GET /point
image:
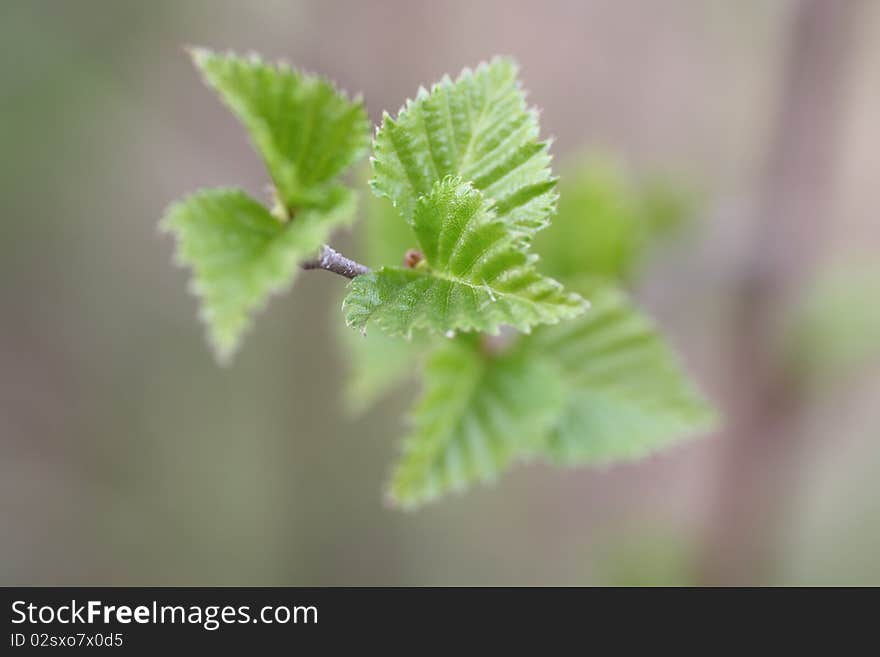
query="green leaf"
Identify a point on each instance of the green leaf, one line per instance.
(475, 417)
(306, 130)
(240, 254)
(627, 394)
(476, 275)
(604, 387)
(607, 221)
(477, 128)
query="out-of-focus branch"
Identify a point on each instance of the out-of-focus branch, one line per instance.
(762, 451)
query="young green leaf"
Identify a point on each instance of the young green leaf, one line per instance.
(476, 275)
(627, 395)
(475, 417)
(477, 128)
(604, 387)
(240, 253)
(306, 130)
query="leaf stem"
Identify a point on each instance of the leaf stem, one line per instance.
(331, 260)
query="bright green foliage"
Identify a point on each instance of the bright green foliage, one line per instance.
(479, 129)
(476, 274)
(604, 214)
(240, 253)
(607, 220)
(305, 129)
(603, 387)
(627, 396)
(460, 174)
(477, 415)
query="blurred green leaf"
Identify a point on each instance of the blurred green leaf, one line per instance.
(603, 387)
(478, 128)
(607, 221)
(627, 395)
(240, 253)
(306, 130)
(476, 275)
(473, 419)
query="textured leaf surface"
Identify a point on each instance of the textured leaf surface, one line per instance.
(604, 387)
(627, 394)
(476, 275)
(239, 253)
(474, 418)
(478, 128)
(306, 130)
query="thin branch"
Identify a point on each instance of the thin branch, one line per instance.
(334, 261)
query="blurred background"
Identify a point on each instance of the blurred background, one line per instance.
(128, 457)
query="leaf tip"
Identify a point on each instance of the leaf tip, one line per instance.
(223, 354)
(198, 54)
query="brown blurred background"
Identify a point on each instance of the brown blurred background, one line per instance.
(128, 457)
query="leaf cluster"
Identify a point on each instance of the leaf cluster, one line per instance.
(240, 251)
(570, 388)
(515, 364)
